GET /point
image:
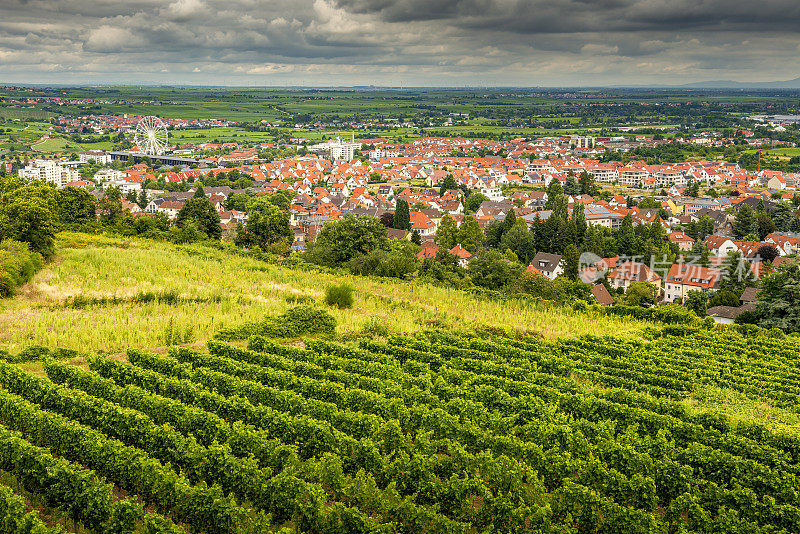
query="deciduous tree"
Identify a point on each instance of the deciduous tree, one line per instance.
(75, 205)
(447, 233)
(267, 224)
(341, 240)
(470, 235)
(205, 217)
(28, 214)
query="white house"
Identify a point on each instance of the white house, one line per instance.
(720, 245)
(492, 192)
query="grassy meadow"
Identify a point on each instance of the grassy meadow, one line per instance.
(220, 290)
(57, 144)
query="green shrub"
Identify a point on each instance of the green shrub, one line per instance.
(747, 329)
(340, 295)
(775, 333)
(680, 330)
(155, 524)
(668, 314)
(748, 317)
(17, 265)
(64, 354)
(299, 299)
(168, 297)
(34, 352)
(375, 327)
(296, 322)
(308, 320)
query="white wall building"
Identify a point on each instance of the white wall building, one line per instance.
(98, 156)
(337, 148)
(493, 193)
(632, 176)
(107, 175)
(50, 171)
(109, 178)
(604, 173)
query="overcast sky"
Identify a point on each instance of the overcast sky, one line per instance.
(398, 42)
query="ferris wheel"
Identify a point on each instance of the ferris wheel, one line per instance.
(151, 136)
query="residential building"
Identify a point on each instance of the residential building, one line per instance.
(50, 171)
(788, 242)
(602, 216)
(170, 208)
(683, 278)
(683, 241)
(693, 205)
(462, 254)
(728, 314)
(601, 295)
(627, 272)
(422, 224)
(97, 156)
(548, 264)
(632, 176)
(493, 193)
(719, 245)
(337, 149)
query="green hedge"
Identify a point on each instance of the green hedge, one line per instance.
(17, 265)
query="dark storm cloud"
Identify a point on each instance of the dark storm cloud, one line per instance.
(557, 16)
(397, 41)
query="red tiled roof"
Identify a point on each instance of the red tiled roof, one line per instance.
(460, 252)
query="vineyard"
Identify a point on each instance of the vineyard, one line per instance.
(436, 432)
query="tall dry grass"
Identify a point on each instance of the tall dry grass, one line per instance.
(219, 290)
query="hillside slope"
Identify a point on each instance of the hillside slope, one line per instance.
(578, 422)
(191, 292)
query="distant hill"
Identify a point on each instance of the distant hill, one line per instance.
(729, 84)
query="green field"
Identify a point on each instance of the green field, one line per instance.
(786, 152)
(205, 135)
(382, 104)
(8, 112)
(55, 145)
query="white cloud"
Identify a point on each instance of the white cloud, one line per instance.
(269, 68)
(183, 10)
(112, 39)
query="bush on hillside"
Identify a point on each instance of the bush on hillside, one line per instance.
(668, 314)
(340, 295)
(17, 265)
(678, 330)
(748, 317)
(36, 353)
(295, 322)
(299, 299)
